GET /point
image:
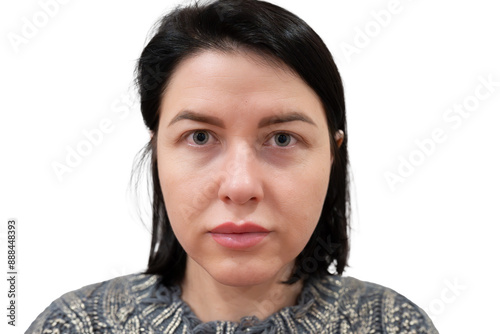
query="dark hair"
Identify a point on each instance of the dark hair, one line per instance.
(281, 37)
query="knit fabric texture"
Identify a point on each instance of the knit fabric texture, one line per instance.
(138, 303)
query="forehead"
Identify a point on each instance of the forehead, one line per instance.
(236, 82)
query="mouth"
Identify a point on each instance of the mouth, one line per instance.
(243, 236)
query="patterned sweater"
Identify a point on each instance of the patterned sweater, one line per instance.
(138, 303)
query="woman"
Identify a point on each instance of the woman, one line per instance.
(249, 164)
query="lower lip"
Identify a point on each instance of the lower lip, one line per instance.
(239, 240)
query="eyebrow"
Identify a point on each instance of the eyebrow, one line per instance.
(197, 117)
(275, 119)
(284, 118)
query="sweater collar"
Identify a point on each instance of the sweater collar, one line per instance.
(309, 309)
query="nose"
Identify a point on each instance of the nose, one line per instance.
(242, 181)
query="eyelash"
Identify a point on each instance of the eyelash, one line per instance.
(189, 136)
(293, 138)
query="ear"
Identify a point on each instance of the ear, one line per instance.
(339, 139)
(151, 134)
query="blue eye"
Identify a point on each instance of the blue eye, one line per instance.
(200, 137)
(282, 139)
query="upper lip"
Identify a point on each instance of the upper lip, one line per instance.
(232, 228)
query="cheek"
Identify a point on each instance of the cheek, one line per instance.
(186, 193)
(178, 197)
(300, 199)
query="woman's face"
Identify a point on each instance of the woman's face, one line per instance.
(244, 161)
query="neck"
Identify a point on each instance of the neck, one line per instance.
(212, 301)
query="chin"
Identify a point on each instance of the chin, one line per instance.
(244, 275)
(241, 280)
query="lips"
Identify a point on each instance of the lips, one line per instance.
(242, 236)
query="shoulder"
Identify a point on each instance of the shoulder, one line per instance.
(94, 306)
(364, 304)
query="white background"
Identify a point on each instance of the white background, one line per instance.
(436, 229)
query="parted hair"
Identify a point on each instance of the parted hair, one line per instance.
(283, 38)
